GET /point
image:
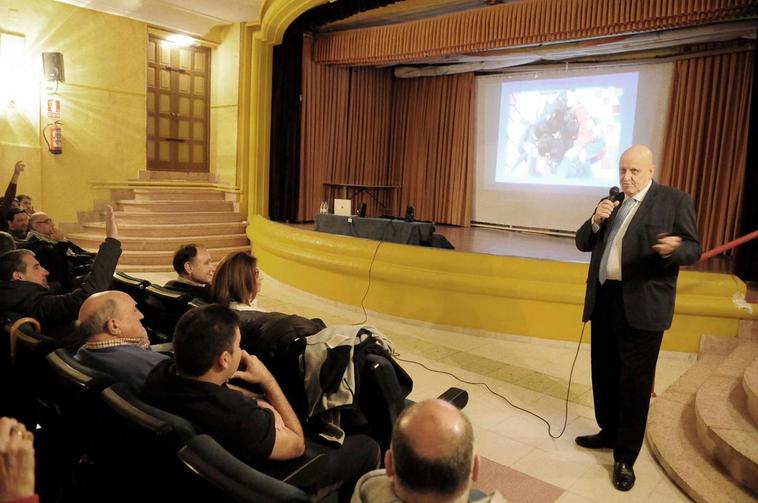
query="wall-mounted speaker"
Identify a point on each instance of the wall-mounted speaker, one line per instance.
(52, 62)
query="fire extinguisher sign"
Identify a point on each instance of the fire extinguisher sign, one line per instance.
(53, 108)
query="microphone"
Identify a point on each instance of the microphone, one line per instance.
(615, 194)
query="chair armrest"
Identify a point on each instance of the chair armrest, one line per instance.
(209, 460)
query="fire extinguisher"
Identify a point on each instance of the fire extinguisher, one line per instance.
(55, 145)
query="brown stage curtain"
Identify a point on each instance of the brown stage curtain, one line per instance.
(518, 23)
(706, 139)
(432, 146)
(344, 134)
(361, 126)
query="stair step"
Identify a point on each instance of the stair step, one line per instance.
(724, 425)
(673, 439)
(130, 205)
(750, 385)
(178, 194)
(177, 175)
(183, 217)
(192, 230)
(168, 242)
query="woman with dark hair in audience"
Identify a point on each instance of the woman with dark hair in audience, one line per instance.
(279, 341)
(236, 283)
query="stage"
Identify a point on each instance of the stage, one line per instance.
(510, 243)
(495, 281)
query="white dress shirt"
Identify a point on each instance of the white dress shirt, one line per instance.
(614, 258)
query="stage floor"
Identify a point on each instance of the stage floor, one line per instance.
(531, 245)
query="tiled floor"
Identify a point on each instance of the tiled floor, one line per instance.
(527, 372)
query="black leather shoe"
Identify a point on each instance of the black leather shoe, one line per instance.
(623, 476)
(596, 441)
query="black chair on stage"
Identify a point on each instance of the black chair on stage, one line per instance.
(232, 479)
(162, 308)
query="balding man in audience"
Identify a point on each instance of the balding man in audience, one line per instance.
(115, 340)
(24, 289)
(431, 459)
(195, 269)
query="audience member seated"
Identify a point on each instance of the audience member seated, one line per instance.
(336, 356)
(193, 265)
(431, 459)
(16, 463)
(115, 340)
(24, 288)
(64, 260)
(9, 200)
(255, 430)
(25, 202)
(236, 283)
(17, 223)
(7, 243)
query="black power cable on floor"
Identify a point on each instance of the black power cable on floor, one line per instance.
(370, 268)
(568, 390)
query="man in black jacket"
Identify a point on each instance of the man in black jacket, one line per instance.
(637, 247)
(24, 289)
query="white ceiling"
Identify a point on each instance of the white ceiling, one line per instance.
(195, 17)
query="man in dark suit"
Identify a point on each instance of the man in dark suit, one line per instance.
(637, 247)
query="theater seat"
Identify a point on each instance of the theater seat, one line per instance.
(232, 478)
(23, 368)
(133, 286)
(70, 426)
(162, 309)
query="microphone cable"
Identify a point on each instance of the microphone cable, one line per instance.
(474, 383)
(370, 268)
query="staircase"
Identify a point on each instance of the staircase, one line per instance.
(158, 215)
(704, 428)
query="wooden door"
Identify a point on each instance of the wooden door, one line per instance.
(178, 96)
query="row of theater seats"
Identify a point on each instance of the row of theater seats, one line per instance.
(122, 449)
(161, 306)
(98, 442)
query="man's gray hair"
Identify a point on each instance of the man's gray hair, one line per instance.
(96, 323)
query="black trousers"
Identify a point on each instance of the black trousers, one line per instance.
(623, 369)
(357, 455)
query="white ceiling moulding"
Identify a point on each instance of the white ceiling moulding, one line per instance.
(487, 62)
(194, 17)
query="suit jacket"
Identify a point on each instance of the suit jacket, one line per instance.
(648, 280)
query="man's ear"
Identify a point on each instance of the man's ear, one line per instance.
(18, 276)
(188, 268)
(475, 468)
(224, 360)
(112, 327)
(389, 464)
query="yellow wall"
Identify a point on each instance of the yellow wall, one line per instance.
(537, 298)
(225, 60)
(103, 104)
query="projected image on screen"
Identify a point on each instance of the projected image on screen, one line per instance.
(567, 131)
